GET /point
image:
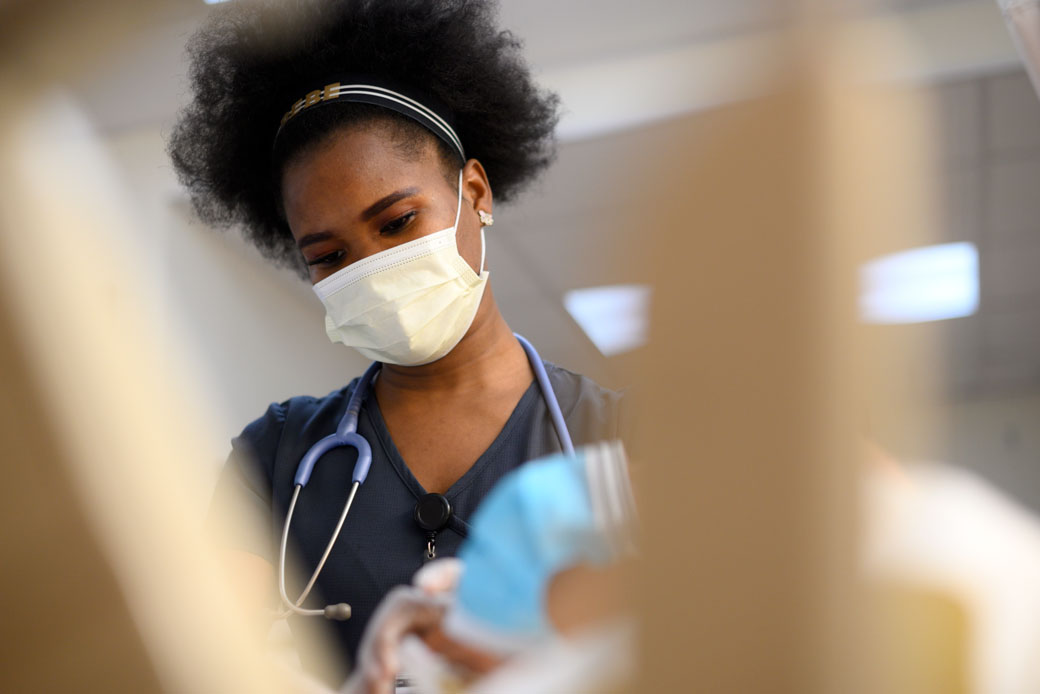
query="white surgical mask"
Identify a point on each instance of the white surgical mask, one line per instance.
(407, 305)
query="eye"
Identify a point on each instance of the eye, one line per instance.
(328, 259)
(397, 224)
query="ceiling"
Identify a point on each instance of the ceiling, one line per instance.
(141, 83)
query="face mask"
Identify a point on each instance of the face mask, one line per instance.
(408, 305)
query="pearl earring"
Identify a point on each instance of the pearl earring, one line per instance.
(485, 219)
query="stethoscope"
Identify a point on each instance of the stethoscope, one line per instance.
(432, 512)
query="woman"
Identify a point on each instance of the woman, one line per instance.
(362, 141)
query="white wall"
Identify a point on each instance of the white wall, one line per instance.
(254, 333)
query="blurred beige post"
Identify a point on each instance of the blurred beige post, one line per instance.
(109, 583)
(755, 397)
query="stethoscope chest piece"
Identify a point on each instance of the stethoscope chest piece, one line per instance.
(432, 513)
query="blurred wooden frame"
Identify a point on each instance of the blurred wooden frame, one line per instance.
(759, 382)
(66, 625)
(109, 582)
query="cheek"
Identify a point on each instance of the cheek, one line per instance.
(468, 240)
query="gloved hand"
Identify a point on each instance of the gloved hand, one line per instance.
(405, 610)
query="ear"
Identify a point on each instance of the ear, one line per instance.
(476, 191)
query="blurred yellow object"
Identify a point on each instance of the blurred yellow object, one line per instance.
(922, 641)
(110, 583)
(66, 625)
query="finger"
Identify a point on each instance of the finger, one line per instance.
(471, 658)
(379, 683)
(438, 576)
(416, 619)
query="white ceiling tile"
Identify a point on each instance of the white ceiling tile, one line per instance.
(958, 109)
(581, 226)
(1013, 120)
(608, 171)
(581, 249)
(1013, 335)
(953, 348)
(960, 205)
(1007, 376)
(546, 323)
(143, 83)
(959, 346)
(569, 31)
(1013, 196)
(1009, 270)
(511, 278)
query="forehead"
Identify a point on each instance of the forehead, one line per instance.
(359, 159)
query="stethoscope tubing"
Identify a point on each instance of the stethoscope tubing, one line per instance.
(548, 394)
(295, 607)
(346, 435)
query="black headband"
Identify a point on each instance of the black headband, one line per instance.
(424, 109)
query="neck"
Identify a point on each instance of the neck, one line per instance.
(487, 356)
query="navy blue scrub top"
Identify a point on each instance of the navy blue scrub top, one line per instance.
(380, 545)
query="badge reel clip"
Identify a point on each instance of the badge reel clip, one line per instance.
(432, 513)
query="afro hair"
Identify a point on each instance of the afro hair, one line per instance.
(254, 59)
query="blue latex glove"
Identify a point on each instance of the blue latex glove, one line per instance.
(543, 517)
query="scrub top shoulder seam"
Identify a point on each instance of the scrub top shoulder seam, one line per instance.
(566, 375)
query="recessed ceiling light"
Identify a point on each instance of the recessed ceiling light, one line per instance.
(615, 318)
(923, 284)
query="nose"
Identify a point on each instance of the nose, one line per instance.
(362, 248)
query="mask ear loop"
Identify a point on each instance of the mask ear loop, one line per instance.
(458, 206)
(458, 213)
(483, 249)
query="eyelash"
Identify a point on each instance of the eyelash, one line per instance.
(389, 229)
(328, 259)
(397, 224)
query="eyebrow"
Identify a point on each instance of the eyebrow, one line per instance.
(311, 239)
(385, 202)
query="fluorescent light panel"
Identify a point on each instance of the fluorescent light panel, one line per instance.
(919, 285)
(615, 318)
